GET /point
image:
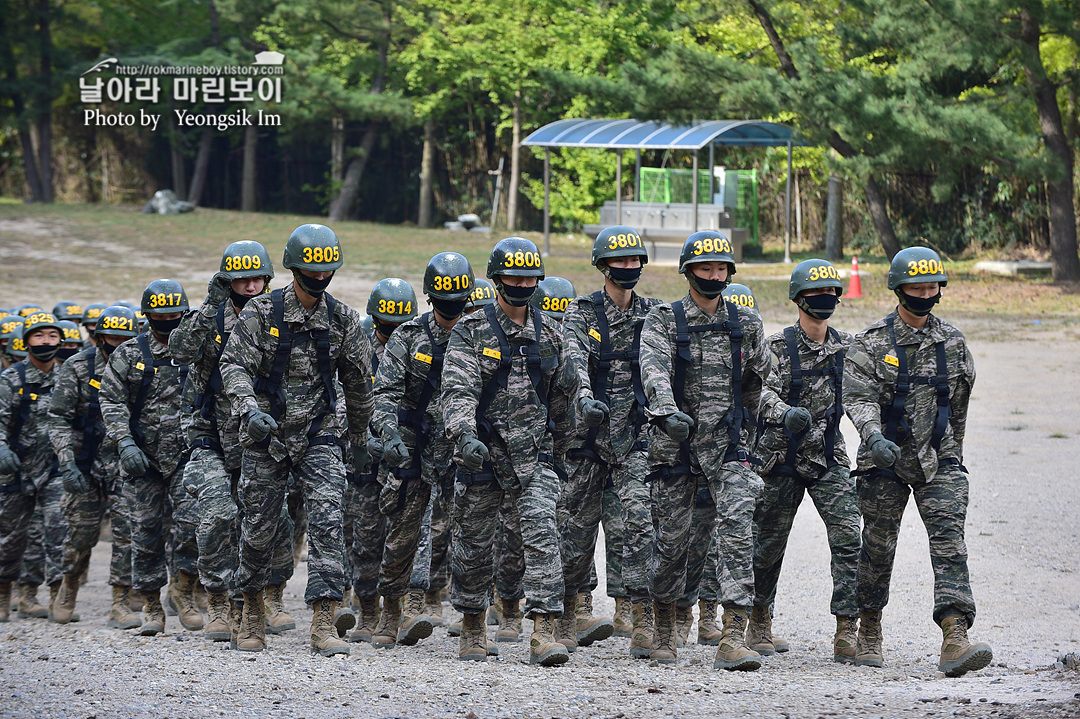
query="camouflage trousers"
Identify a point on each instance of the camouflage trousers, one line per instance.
(163, 520)
(16, 514)
(611, 517)
(365, 536)
(262, 491)
(298, 517)
(32, 571)
(942, 504)
(404, 531)
(431, 566)
(474, 542)
(509, 554)
(85, 513)
(217, 533)
(735, 493)
(701, 576)
(833, 494)
(583, 502)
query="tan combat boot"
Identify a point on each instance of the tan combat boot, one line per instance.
(623, 621)
(665, 645)
(385, 635)
(217, 627)
(684, 622)
(868, 652)
(28, 603)
(845, 640)
(589, 628)
(171, 608)
(153, 614)
(510, 629)
(64, 605)
(472, 647)
(566, 625)
(958, 655)
(277, 619)
(433, 609)
(347, 599)
(344, 618)
(251, 629)
(366, 620)
(494, 613)
(759, 634)
(732, 653)
(453, 629)
(324, 636)
(415, 625)
(707, 631)
(643, 636)
(543, 649)
(202, 602)
(187, 611)
(5, 602)
(120, 614)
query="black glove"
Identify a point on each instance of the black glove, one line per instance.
(9, 461)
(473, 452)
(593, 411)
(218, 289)
(883, 452)
(361, 459)
(132, 458)
(375, 448)
(677, 426)
(259, 425)
(74, 481)
(796, 419)
(395, 451)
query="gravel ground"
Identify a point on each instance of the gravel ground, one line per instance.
(1023, 543)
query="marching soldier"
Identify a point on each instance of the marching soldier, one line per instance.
(703, 364)
(278, 371)
(907, 384)
(90, 468)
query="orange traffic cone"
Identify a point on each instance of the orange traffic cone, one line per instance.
(855, 285)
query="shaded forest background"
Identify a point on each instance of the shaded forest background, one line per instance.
(950, 124)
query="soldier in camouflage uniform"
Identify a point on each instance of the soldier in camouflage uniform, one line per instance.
(802, 451)
(703, 363)
(89, 321)
(212, 473)
(604, 332)
(141, 408)
(907, 383)
(10, 326)
(28, 468)
(418, 455)
(391, 303)
(90, 468)
(507, 393)
(278, 370)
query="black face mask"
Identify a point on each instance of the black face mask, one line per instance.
(67, 352)
(313, 287)
(449, 309)
(43, 352)
(105, 348)
(239, 300)
(163, 327)
(918, 306)
(625, 277)
(709, 289)
(516, 296)
(819, 306)
(384, 328)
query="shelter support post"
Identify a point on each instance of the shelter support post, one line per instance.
(712, 164)
(787, 208)
(547, 201)
(637, 176)
(694, 190)
(618, 186)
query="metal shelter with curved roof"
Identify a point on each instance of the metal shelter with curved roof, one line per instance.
(629, 134)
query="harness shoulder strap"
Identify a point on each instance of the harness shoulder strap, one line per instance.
(148, 370)
(91, 426)
(415, 417)
(498, 380)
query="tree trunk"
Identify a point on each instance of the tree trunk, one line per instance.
(879, 213)
(834, 221)
(337, 149)
(1059, 191)
(202, 164)
(515, 168)
(176, 157)
(11, 71)
(339, 208)
(44, 111)
(427, 174)
(247, 180)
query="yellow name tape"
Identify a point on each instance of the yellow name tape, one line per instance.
(274, 332)
(594, 334)
(889, 359)
(95, 384)
(488, 352)
(426, 359)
